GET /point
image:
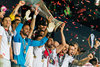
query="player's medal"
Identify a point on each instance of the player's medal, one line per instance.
(24, 51)
(34, 56)
(42, 60)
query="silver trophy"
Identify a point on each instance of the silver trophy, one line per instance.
(43, 11)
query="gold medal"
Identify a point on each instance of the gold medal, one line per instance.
(34, 56)
(26, 43)
(24, 52)
(50, 61)
(42, 60)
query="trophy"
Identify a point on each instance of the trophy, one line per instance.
(43, 11)
(97, 2)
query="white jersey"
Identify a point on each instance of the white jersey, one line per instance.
(29, 56)
(37, 58)
(5, 43)
(68, 59)
(55, 60)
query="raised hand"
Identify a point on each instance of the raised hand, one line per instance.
(90, 56)
(51, 27)
(97, 44)
(62, 27)
(49, 18)
(21, 3)
(28, 12)
(36, 10)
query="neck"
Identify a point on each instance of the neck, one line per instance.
(61, 54)
(23, 36)
(6, 28)
(48, 47)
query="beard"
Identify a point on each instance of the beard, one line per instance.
(25, 34)
(50, 46)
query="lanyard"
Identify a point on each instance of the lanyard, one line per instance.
(8, 34)
(34, 51)
(51, 61)
(60, 61)
(24, 45)
(50, 55)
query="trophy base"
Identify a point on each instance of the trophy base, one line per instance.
(57, 26)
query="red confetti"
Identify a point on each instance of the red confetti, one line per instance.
(85, 19)
(97, 26)
(90, 10)
(52, 2)
(66, 18)
(72, 6)
(41, 18)
(76, 27)
(81, 10)
(71, 34)
(96, 9)
(13, 7)
(84, 6)
(55, 17)
(75, 36)
(70, 39)
(90, 15)
(88, 1)
(92, 26)
(59, 17)
(77, 20)
(64, 1)
(58, 3)
(65, 21)
(62, 15)
(73, 23)
(94, 12)
(81, 48)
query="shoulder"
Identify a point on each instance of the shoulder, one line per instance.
(1, 28)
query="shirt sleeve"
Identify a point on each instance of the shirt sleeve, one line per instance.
(39, 43)
(12, 17)
(1, 30)
(19, 27)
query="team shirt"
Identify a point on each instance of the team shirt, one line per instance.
(5, 43)
(21, 45)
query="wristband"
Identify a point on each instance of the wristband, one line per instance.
(34, 16)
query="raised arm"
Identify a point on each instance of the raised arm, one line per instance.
(83, 61)
(33, 21)
(39, 43)
(15, 11)
(60, 47)
(81, 56)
